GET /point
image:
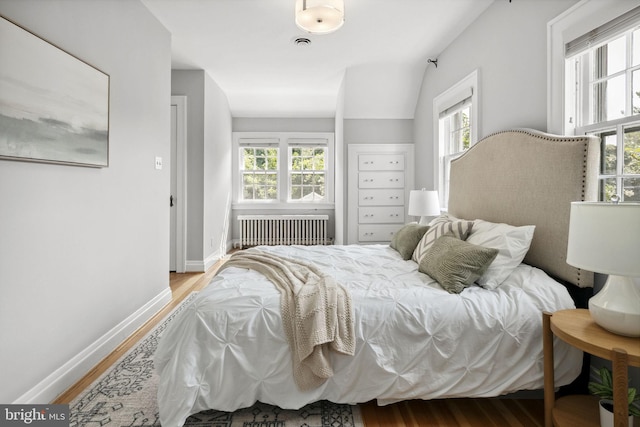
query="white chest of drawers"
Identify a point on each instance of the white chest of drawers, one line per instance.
(380, 177)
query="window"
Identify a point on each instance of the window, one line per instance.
(259, 172)
(455, 127)
(283, 168)
(307, 173)
(603, 98)
(455, 137)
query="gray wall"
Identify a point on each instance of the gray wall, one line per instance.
(82, 249)
(508, 45)
(378, 131)
(208, 166)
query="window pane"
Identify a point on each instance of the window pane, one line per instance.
(272, 192)
(610, 150)
(607, 189)
(307, 192)
(307, 179)
(271, 179)
(248, 159)
(296, 193)
(616, 55)
(608, 99)
(610, 58)
(631, 191)
(296, 179)
(631, 151)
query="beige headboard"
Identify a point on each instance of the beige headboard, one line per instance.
(527, 177)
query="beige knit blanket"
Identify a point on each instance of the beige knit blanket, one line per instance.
(316, 312)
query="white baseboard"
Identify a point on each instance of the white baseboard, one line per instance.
(72, 371)
(192, 266)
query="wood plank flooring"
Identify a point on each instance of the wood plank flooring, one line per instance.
(414, 413)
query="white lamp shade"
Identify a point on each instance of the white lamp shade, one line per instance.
(605, 237)
(424, 203)
(319, 16)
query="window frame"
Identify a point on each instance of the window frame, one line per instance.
(308, 143)
(580, 110)
(256, 145)
(283, 140)
(465, 89)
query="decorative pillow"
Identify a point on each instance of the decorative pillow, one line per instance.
(444, 224)
(512, 244)
(454, 263)
(406, 239)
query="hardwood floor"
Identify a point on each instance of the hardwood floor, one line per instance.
(414, 413)
(456, 413)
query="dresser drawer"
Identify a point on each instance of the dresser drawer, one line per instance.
(381, 215)
(377, 233)
(381, 197)
(381, 162)
(381, 180)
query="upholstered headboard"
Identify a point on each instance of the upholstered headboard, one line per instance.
(527, 177)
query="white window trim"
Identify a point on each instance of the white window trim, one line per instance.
(455, 94)
(575, 21)
(283, 139)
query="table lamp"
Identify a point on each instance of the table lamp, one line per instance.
(424, 204)
(605, 238)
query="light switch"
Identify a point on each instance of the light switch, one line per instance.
(158, 162)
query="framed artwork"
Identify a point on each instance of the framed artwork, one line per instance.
(54, 107)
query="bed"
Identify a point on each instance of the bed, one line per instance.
(413, 337)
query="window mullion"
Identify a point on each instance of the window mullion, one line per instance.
(628, 104)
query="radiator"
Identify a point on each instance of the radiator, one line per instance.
(283, 230)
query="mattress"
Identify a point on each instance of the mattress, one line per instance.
(414, 340)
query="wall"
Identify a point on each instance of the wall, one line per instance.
(208, 164)
(217, 173)
(378, 131)
(508, 46)
(83, 249)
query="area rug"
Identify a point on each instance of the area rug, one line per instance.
(125, 395)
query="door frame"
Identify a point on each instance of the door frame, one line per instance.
(181, 181)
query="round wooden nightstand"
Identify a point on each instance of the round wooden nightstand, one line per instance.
(577, 328)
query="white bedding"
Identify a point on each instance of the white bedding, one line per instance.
(414, 340)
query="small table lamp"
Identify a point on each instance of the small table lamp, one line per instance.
(605, 238)
(424, 204)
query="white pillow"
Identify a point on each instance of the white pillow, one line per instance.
(512, 244)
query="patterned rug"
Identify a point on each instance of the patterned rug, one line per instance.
(125, 395)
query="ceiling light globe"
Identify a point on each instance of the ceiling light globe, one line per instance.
(319, 16)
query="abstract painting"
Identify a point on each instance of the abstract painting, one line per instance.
(54, 107)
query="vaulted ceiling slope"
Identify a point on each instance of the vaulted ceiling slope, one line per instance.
(248, 49)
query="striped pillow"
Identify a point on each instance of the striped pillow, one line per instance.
(438, 228)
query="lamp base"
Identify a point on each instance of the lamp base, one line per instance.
(617, 306)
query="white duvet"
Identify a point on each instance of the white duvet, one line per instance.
(414, 340)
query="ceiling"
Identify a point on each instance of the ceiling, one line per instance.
(378, 56)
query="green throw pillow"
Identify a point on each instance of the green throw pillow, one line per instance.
(456, 264)
(406, 239)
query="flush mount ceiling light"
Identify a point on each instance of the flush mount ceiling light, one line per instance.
(319, 16)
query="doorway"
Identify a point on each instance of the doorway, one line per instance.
(178, 197)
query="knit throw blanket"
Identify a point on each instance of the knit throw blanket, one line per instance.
(316, 312)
